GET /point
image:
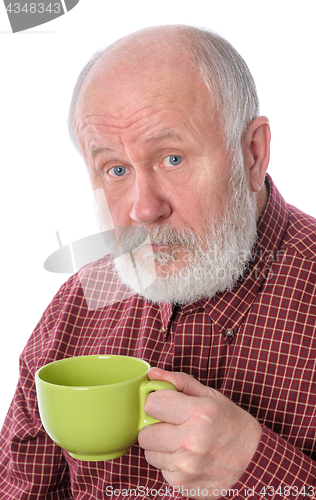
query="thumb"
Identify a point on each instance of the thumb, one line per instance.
(183, 382)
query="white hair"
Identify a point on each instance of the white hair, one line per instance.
(228, 78)
(223, 70)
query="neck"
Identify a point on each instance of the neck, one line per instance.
(262, 198)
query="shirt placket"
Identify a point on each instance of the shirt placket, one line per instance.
(191, 333)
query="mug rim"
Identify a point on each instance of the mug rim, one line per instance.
(65, 360)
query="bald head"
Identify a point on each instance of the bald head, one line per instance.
(164, 54)
(158, 42)
(153, 58)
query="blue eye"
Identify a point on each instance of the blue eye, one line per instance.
(175, 159)
(172, 161)
(117, 171)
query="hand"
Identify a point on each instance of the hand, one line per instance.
(204, 440)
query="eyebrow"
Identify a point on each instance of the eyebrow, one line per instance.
(95, 150)
(164, 134)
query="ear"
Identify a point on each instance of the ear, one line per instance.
(256, 150)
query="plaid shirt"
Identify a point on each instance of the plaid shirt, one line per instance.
(256, 345)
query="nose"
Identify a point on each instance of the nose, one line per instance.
(149, 203)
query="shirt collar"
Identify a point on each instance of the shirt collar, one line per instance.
(228, 309)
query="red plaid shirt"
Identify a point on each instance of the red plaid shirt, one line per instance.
(255, 344)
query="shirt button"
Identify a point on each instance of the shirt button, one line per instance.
(164, 331)
(229, 333)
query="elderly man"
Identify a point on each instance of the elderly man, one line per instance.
(222, 302)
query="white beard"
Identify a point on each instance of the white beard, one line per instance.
(214, 262)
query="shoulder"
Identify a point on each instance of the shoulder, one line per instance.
(87, 302)
(301, 233)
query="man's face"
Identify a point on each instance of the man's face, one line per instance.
(153, 144)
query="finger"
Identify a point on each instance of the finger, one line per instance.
(170, 406)
(162, 461)
(178, 466)
(164, 438)
(182, 381)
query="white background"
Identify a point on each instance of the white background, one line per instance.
(44, 186)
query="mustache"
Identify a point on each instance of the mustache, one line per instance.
(166, 235)
(158, 235)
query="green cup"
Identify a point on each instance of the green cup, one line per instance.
(93, 406)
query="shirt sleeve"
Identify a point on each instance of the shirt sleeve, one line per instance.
(32, 466)
(278, 470)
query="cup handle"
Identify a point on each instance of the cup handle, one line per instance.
(146, 388)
